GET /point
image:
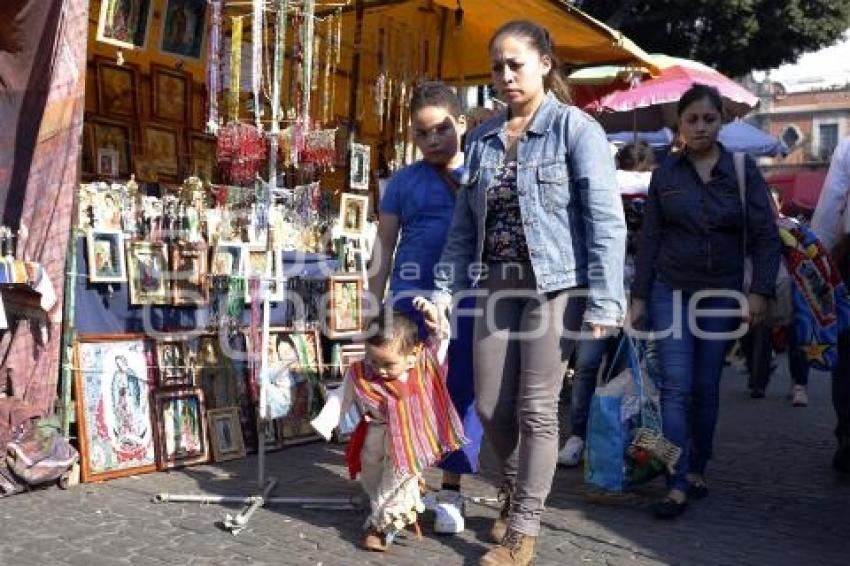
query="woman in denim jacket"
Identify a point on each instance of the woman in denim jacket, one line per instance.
(539, 226)
(690, 272)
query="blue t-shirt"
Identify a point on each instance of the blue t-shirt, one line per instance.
(424, 203)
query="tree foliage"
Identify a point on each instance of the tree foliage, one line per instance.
(734, 36)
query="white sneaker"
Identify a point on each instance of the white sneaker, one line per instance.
(448, 514)
(800, 397)
(572, 453)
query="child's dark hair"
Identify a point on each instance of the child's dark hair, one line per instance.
(538, 37)
(700, 92)
(635, 157)
(394, 329)
(435, 93)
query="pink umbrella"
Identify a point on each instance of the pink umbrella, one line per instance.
(651, 105)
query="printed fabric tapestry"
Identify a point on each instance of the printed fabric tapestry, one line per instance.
(42, 79)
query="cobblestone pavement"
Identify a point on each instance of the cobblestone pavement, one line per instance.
(774, 500)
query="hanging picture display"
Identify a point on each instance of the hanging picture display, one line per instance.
(147, 266)
(183, 28)
(358, 177)
(124, 24)
(106, 256)
(352, 214)
(113, 413)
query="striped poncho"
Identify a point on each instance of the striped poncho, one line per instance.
(421, 420)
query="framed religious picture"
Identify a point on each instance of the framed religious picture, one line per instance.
(189, 274)
(117, 136)
(358, 174)
(227, 259)
(161, 147)
(107, 162)
(225, 434)
(124, 23)
(256, 262)
(172, 362)
(147, 264)
(202, 156)
(181, 427)
(289, 386)
(216, 371)
(183, 28)
(112, 388)
(171, 94)
(106, 256)
(345, 310)
(108, 202)
(352, 214)
(117, 89)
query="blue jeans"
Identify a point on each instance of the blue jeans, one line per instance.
(689, 369)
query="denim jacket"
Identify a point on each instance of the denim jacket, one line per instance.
(570, 207)
(692, 237)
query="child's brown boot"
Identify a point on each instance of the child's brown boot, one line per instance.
(375, 540)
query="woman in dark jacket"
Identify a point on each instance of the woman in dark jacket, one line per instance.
(690, 273)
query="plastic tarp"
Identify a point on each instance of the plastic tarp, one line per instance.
(457, 47)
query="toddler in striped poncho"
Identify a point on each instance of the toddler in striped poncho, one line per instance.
(408, 421)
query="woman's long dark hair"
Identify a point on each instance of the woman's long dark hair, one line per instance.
(538, 37)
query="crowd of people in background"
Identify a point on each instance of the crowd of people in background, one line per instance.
(532, 212)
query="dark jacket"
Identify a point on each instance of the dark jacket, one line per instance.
(692, 233)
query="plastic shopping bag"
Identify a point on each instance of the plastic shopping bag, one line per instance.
(624, 442)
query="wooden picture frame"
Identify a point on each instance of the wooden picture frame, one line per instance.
(215, 372)
(171, 94)
(353, 210)
(345, 309)
(117, 135)
(117, 89)
(147, 265)
(255, 261)
(107, 162)
(203, 162)
(184, 28)
(124, 24)
(181, 427)
(225, 434)
(114, 418)
(228, 258)
(105, 251)
(358, 172)
(189, 286)
(161, 148)
(172, 362)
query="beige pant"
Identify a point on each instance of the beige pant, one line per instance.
(395, 500)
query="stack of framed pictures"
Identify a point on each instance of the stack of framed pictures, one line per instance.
(141, 404)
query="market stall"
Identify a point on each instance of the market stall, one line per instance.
(230, 158)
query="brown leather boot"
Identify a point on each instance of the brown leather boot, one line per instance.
(516, 549)
(500, 525)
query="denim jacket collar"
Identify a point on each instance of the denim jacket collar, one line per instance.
(540, 124)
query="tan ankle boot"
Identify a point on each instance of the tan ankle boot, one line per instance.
(516, 549)
(500, 525)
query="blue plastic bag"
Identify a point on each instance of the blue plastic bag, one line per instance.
(619, 408)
